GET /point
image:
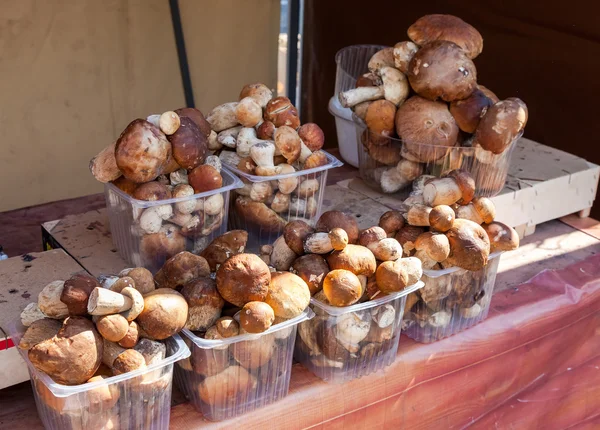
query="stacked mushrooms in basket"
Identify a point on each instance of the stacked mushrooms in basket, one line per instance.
(344, 266)
(446, 226)
(424, 94)
(82, 330)
(261, 135)
(163, 157)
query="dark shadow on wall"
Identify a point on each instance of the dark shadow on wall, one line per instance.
(547, 53)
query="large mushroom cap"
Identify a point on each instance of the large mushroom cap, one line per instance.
(468, 112)
(73, 355)
(288, 295)
(332, 219)
(165, 313)
(181, 269)
(441, 70)
(342, 287)
(430, 28)
(243, 278)
(190, 145)
(312, 268)
(501, 124)
(355, 258)
(142, 151)
(196, 116)
(469, 245)
(426, 128)
(295, 233)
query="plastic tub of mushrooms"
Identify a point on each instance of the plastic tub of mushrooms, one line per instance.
(344, 343)
(425, 112)
(139, 399)
(451, 301)
(227, 377)
(148, 232)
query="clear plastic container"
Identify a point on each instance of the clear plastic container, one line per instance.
(351, 62)
(263, 224)
(230, 377)
(151, 249)
(451, 301)
(345, 343)
(488, 170)
(139, 400)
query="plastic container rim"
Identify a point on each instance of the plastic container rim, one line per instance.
(332, 162)
(437, 273)
(215, 343)
(337, 310)
(228, 176)
(60, 390)
(334, 105)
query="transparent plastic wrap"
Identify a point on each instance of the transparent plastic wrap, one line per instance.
(345, 343)
(139, 400)
(451, 301)
(229, 377)
(147, 233)
(264, 218)
(378, 154)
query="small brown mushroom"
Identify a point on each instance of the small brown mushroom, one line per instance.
(204, 302)
(316, 159)
(282, 256)
(281, 112)
(288, 142)
(76, 293)
(256, 317)
(196, 116)
(430, 28)
(143, 279)
(469, 245)
(131, 337)
(243, 278)
(501, 236)
(391, 222)
(128, 361)
(259, 214)
(332, 219)
(436, 246)
(228, 244)
(312, 135)
(112, 327)
(342, 287)
(458, 186)
(441, 218)
(234, 382)
(468, 112)
(104, 165)
(295, 234)
(379, 118)
(181, 269)
(248, 112)
(394, 276)
(382, 58)
(288, 295)
(312, 268)
(227, 327)
(205, 178)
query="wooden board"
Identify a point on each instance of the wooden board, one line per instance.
(543, 184)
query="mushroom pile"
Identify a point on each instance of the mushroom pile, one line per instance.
(261, 135)
(231, 293)
(446, 226)
(424, 93)
(84, 330)
(344, 266)
(162, 157)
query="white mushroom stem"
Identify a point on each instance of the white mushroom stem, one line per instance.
(418, 215)
(318, 243)
(107, 302)
(223, 117)
(262, 153)
(441, 191)
(247, 139)
(213, 143)
(395, 85)
(358, 95)
(228, 137)
(392, 180)
(304, 152)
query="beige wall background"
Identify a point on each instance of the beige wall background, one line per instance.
(74, 73)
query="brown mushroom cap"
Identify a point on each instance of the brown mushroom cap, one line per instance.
(266, 130)
(196, 116)
(388, 154)
(441, 70)
(228, 244)
(256, 317)
(407, 236)
(102, 398)
(232, 383)
(204, 301)
(489, 94)
(142, 151)
(280, 111)
(332, 219)
(355, 258)
(259, 92)
(312, 135)
(342, 288)
(243, 278)
(131, 337)
(288, 295)
(227, 327)
(288, 143)
(312, 268)
(205, 178)
(73, 355)
(143, 279)
(295, 233)
(380, 118)
(391, 222)
(112, 327)
(316, 159)
(468, 112)
(423, 122)
(128, 361)
(501, 236)
(76, 292)
(430, 28)
(469, 245)
(125, 185)
(253, 354)
(434, 244)
(39, 331)
(181, 269)
(501, 124)
(466, 183)
(259, 214)
(391, 277)
(151, 192)
(190, 145)
(165, 313)
(371, 235)
(441, 218)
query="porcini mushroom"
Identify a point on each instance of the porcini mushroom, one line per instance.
(223, 117)
(458, 186)
(468, 112)
(165, 313)
(391, 222)
(441, 218)
(76, 292)
(501, 124)
(394, 88)
(295, 234)
(332, 219)
(228, 244)
(182, 268)
(312, 135)
(342, 287)
(355, 258)
(248, 112)
(104, 165)
(403, 53)
(243, 278)
(256, 317)
(280, 111)
(260, 93)
(205, 178)
(312, 268)
(469, 245)
(435, 246)
(189, 144)
(501, 236)
(204, 303)
(288, 142)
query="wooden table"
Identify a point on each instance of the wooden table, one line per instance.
(532, 364)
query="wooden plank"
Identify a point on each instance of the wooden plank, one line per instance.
(587, 225)
(86, 237)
